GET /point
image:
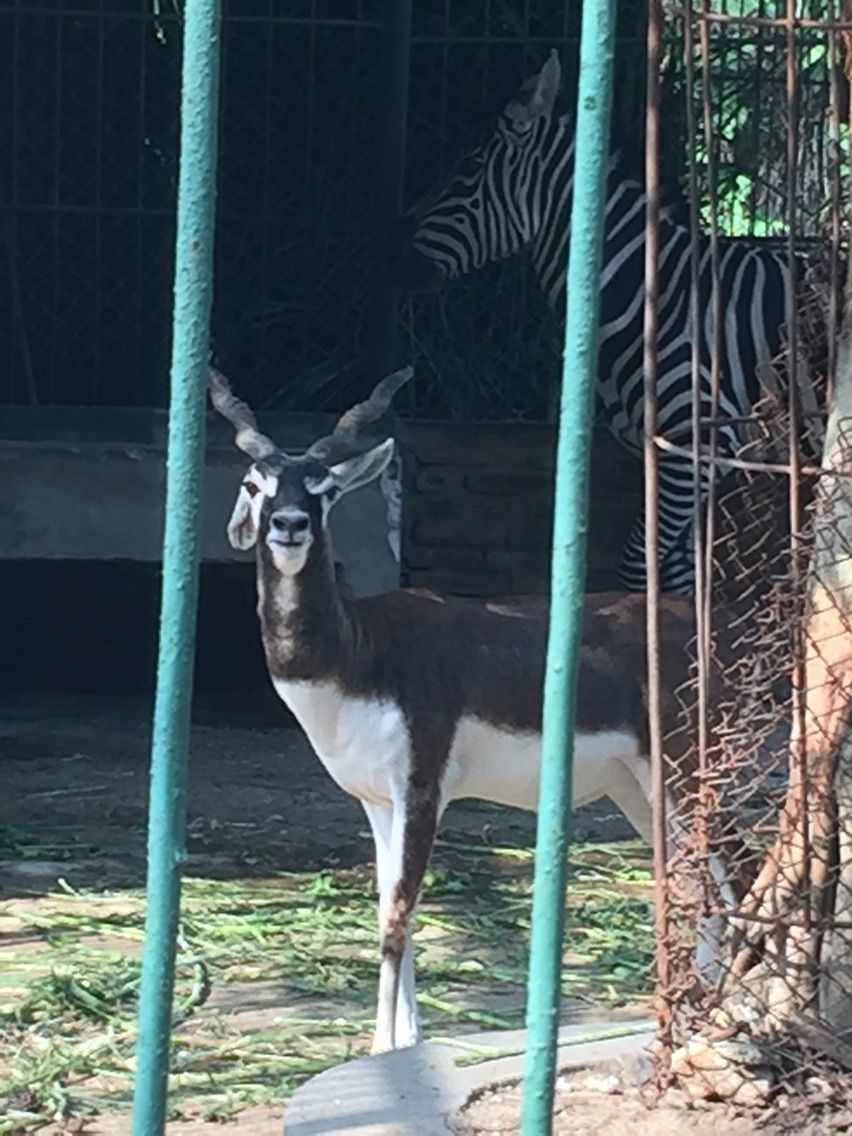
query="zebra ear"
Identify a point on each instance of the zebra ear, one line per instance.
(538, 94)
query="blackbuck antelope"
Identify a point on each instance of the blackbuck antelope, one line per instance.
(413, 699)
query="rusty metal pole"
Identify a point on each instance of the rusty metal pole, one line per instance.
(652, 554)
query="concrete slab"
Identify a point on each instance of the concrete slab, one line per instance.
(98, 494)
(412, 1092)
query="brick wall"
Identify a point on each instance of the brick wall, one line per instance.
(479, 506)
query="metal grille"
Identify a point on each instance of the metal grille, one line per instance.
(755, 816)
(88, 182)
(87, 192)
(489, 346)
(87, 187)
(742, 73)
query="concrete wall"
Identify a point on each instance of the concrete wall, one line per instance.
(88, 485)
(480, 501)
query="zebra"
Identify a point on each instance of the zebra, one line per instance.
(513, 193)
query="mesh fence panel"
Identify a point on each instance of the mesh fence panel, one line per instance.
(755, 900)
(744, 79)
(489, 346)
(88, 180)
(88, 183)
(87, 196)
(758, 871)
(88, 171)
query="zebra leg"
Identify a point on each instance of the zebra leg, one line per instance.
(677, 571)
(677, 566)
(631, 571)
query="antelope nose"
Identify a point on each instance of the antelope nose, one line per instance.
(288, 526)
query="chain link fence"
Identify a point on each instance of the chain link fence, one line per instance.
(754, 906)
(758, 803)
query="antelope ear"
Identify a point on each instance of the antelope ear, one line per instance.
(242, 527)
(538, 94)
(358, 471)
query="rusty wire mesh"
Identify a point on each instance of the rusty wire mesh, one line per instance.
(766, 1023)
(754, 923)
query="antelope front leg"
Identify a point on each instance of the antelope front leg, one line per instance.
(397, 1018)
(405, 835)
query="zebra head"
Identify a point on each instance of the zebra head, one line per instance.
(496, 201)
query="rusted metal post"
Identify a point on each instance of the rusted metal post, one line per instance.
(652, 553)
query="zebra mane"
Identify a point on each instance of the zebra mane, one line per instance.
(629, 161)
(674, 205)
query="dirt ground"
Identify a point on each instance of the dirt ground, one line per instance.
(74, 780)
(601, 1102)
(77, 769)
(258, 1121)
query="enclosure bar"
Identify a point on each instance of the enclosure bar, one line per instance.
(791, 314)
(393, 101)
(745, 463)
(185, 465)
(836, 167)
(705, 541)
(53, 367)
(18, 333)
(711, 146)
(579, 377)
(697, 467)
(545, 41)
(761, 38)
(799, 731)
(735, 419)
(139, 227)
(662, 898)
(99, 226)
(143, 15)
(267, 197)
(779, 23)
(10, 225)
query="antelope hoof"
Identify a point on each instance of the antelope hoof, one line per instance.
(380, 1045)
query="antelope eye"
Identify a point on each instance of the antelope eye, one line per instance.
(251, 488)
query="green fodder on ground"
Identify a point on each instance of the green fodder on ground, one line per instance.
(276, 975)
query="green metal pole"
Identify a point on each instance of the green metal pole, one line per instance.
(185, 467)
(579, 375)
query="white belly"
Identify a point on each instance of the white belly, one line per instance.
(363, 743)
(495, 764)
(365, 746)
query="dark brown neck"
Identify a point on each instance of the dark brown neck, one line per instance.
(304, 621)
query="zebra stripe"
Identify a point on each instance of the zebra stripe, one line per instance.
(514, 193)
